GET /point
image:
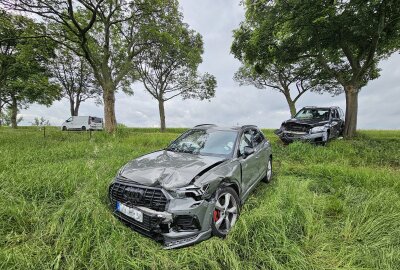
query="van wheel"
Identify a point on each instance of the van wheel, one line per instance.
(226, 211)
(83, 128)
(64, 128)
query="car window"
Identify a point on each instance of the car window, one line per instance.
(245, 140)
(313, 113)
(69, 119)
(257, 137)
(205, 142)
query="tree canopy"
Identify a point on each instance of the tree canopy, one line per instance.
(24, 65)
(346, 39)
(108, 33)
(75, 76)
(169, 69)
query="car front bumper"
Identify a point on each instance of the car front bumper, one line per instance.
(184, 221)
(289, 136)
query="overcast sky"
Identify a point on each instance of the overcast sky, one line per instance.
(379, 106)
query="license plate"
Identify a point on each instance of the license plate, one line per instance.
(130, 212)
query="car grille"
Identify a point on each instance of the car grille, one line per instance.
(136, 195)
(297, 128)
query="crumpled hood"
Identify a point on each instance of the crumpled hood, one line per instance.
(169, 169)
(309, 122)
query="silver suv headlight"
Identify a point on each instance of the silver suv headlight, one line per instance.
(317, 129)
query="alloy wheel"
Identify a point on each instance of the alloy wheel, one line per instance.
(225, 213)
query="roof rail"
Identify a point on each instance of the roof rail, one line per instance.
(205, 125)
(246, 126)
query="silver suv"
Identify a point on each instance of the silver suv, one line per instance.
(194, 188)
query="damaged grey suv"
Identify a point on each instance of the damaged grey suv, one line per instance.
(194, 188)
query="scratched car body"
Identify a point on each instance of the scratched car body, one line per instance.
(193, 189)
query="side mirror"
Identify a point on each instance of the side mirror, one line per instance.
(247, 151)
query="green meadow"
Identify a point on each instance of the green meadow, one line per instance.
(334, 207)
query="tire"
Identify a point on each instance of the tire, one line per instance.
(64, 128)
(83, 128)
(268, 175)
(224, 215)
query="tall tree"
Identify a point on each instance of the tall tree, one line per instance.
(291, 80)
(346, 38)
(75, 77)
(105, 31)
(169, 69)
(24, 65)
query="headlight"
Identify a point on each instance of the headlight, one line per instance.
(192, 191)
(121, 170)
(317, 130)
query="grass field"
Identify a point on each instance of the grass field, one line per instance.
(334, 207)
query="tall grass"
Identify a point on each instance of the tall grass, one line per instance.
(335, 207)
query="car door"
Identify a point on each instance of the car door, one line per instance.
(259, 153)
(249, 164)
(336, 123)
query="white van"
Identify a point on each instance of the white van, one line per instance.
(83, 123)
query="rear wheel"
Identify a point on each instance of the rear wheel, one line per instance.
(268, 175)
(64, 128)
(226, 211)
(83, 128)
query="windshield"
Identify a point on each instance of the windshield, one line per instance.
(205, 142)
(313, 113)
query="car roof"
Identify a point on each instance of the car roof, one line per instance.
(320, 107)
(215, 127)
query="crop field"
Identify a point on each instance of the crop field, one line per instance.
(334, 207)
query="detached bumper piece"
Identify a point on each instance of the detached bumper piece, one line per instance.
(173, 228)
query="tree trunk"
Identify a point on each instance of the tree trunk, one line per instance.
(291, 103)
(77, 105)
(76, 110)
(350, 126)
(109, 109)
(162, 114)
(14, 112)
(72, 106)
(1, 116)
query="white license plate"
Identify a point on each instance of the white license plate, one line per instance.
(130, 212)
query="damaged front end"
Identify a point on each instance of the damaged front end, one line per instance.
(175, 218)
(305, 133)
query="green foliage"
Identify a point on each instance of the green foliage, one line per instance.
(345, 39)
(334, 207)
(5, 118)
(169, 68)
(24, 63)
(39, 122)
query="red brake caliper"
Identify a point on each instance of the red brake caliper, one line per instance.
(216, 215)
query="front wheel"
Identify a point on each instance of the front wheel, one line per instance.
(64, 128)
(83, 128)
(226, 211)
